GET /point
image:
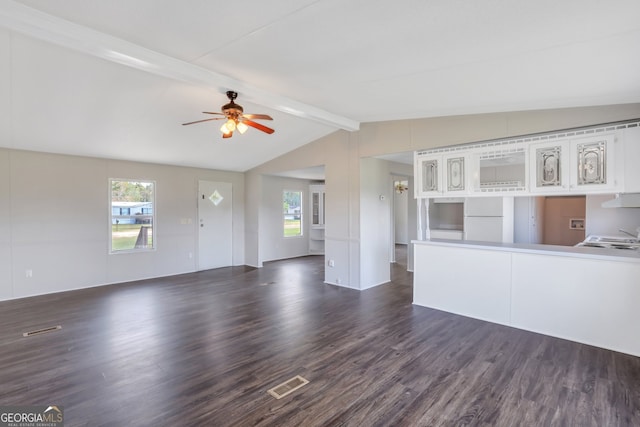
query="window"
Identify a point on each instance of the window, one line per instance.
(132, 215)
(292, 210)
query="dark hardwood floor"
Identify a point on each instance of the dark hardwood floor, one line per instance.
(202, 349)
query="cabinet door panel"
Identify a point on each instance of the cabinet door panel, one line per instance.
(315, 208)
(592, 163)
(455, 174)
(430, 175)
(548, 166)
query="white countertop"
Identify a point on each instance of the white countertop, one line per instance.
(625, 255)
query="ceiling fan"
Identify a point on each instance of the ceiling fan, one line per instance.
(235, 118)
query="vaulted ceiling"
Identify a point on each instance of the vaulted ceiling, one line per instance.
(116, 79)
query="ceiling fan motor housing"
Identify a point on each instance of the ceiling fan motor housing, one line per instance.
(232, 110)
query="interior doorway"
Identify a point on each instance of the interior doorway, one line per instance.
(215, 221)
(399, 220)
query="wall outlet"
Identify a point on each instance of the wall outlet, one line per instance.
(28, 273)
(338, 281)
(190, 255)
(331, 263)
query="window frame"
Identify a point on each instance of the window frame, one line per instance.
(284, 235)
(154, 241)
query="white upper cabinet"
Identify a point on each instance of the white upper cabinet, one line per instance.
(456, 174)
(549, 167)
(581, 165)
(598, 159)
(316, 231)
(442, 175)
(500, 170)
(630, 159)
(592, 164)
(429, 176)
(317, 205)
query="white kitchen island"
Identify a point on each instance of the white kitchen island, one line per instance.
(588, 295)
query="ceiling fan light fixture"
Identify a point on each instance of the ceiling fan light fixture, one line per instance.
(224, 129)
(242, 128)
(231, 125)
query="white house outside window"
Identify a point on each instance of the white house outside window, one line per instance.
(132, 215)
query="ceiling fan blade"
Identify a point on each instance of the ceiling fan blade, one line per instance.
(200, 121)
(258, 126)
(227, 135)
(257, 116)
(209, 112)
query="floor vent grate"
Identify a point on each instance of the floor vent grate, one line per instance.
(41, 331)
(287, 387)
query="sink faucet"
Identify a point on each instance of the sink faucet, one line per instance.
(631, 234)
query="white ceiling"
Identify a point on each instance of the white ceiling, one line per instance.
(116, 79)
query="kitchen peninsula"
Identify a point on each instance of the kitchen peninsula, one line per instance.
(588, 295)
(585, 294)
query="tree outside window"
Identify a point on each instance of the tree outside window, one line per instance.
(292, 210)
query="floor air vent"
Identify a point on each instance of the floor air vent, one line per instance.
(41, 331)
(287, 387)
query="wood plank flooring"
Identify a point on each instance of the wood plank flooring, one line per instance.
(202, 349)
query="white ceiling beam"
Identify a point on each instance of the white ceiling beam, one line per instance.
(34, 23)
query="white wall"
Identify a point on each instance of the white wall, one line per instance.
(253, 200)
(273, 244)
(338, 152)
(375, 217)
(607, 221)
(6, 283)
(54, 221)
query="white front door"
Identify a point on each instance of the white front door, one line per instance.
(215, 222)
